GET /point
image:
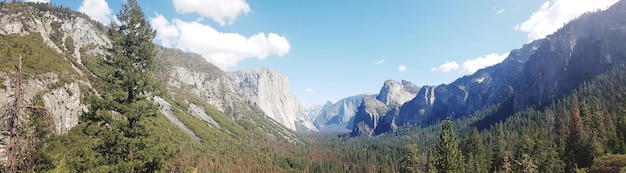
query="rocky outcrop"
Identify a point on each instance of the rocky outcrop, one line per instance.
(65, 106)
(338, 116)
(368, 115)
(395, 94)
(166, 109)
(61, 33)
(270, 91)
(61, 102)
(199, 112)
(218, 90)
(392, 95)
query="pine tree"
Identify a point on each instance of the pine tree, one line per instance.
(132, 55)
(577, 149)
(474, 152)
(432, 161)
(410, 159)
(125, 143)
(450, 159)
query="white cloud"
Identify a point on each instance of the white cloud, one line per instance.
(553, 14)
(446, 67)
(500, 11)
(40, 1)
(401, 68)
(308, 90)
(473, 65)
(221, 11)
(166, 32)
(380, 61)
(97, 9)
(222, 49)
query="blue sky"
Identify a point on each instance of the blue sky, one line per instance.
(333, 49)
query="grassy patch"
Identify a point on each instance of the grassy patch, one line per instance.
(37, 57)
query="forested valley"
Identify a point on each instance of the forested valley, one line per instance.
(124, 130)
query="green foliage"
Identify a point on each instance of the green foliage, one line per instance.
(117, 136)
(609, 164)
(578, 153)
(473, 149)
(447, 157)
(131, 54)
(69, 44)
(410, 160)
(37, 134)
(38, 58)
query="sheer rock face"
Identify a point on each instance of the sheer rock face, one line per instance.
(63, 102)
(395, 94)
(387, 103)
(270, 91)
(338, 116)
(535, 74)
(239, 92)
(368, 115)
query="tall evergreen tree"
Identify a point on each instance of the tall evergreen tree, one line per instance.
(410, 160)
(450, 159)
(132, 57)
(474, 152)
(577, 149)
(125, 144)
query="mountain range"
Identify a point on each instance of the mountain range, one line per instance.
(532, 76)
(202, 107)
(522, 78)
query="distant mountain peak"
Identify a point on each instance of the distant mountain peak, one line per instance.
(395, 93)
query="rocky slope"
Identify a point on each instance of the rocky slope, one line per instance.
(231, 92)
(375, 111)
(61, 51)
(270, 91)
(62, 89)
(533, 75)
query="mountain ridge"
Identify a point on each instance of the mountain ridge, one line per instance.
(540, 71)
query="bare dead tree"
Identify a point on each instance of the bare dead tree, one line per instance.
(19, 151)
(12, 124)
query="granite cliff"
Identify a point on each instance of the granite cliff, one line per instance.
(270, 91)
(532, 76)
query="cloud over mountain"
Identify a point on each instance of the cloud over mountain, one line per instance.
(551, 16)
(222, 49)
